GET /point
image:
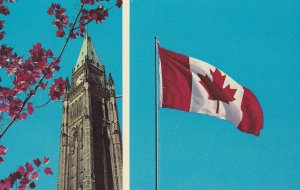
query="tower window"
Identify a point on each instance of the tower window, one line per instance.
(111, 111)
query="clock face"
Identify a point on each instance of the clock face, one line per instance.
(79, 79)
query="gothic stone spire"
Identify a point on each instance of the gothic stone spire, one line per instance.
(87, 54)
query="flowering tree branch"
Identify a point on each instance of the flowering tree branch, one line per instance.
(26, 175)
(85, 17)
(41, 80)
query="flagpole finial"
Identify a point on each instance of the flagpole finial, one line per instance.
(156, 40)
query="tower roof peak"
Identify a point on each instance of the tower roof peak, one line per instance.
(87, 54)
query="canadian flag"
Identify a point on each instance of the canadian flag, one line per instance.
(192, 85)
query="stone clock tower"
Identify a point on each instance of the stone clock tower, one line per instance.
(90, 142)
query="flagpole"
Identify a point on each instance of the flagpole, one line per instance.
(156, 112)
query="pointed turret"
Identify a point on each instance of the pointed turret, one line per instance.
(88, 54)
(67, 87)
(110, 82)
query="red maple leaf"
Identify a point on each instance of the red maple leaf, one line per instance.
(48, 171)
(29, 167)
(57, 89)
(215, 88)
(2, 150)
(37, 162)
(119, 3)
(32, 185)
(29, 108)
(35, 175)
(46, 160)
(21, 170)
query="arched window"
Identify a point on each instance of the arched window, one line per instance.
(71, 111)
(104, 111)
(80, 106)
(111, 114)
(81, 136)
(76, 108)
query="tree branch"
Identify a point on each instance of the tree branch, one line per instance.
(41, 80)
(92, 20)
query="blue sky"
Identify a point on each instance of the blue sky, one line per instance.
(38, 136)
(257, 43)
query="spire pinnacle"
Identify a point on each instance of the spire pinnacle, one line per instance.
(87, 30)
(67, 85)
(87, 54)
